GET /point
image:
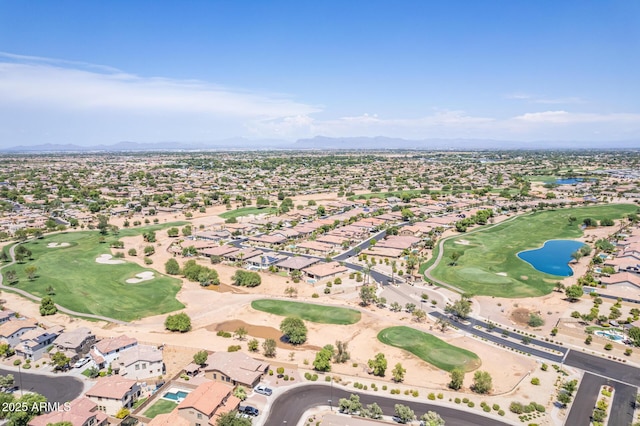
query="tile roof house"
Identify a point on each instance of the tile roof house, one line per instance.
(201, 406)
(11, 331)
(325, 270)
(140, 362)
(78, 341)
(112, 393)
(106, 351)
(34, 343)
(235, 368)
(80, 412)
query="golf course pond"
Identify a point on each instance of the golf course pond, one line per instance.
(553, 257)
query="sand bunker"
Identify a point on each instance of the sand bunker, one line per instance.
(463, 242)
(54, 245)
(142, 276)
(502, 274)
(106, 259)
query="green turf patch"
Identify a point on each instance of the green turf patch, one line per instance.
(308, 311)
(429, 348)
(163, 406)
(246, 211)
(83, 285)
(491, 252)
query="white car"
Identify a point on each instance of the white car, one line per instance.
(82, 361)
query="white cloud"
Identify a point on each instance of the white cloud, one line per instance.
(40, 83)
(564, 117)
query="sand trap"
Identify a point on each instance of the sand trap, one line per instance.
(54, 245)
(106, 259)
(502, 274)
(142, 276)
(463, 242)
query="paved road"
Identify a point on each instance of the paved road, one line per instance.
(37, 299)
(623, 404)
(496, 337)
(57, 389)
(598, 365)
(363, 245)
(291, 405)
(585, 401)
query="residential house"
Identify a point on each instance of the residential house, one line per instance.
(202, 406)
(79, 412)
(75, 343)
(106, 351)
(6, 315)
(11, 331)
(140, 362)
(111, 393)
(325, 270)
(296, 263)
(235, 368)
(34, 343)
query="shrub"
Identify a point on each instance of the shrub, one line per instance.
(17, 362)
(148, 260)
(222, 333)
(516, 407)
(544, 367)
(457, 400)
(495, 407)
(535, 381)
(315, 295)
(471, 404)
(486, 408)
(440, 396)
(233, 348)
(431, 397)
(501, 412)
(384, 387)
(465, 400)
(608, 346)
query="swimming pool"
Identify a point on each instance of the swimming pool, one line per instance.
(616, 337)
(175, 395)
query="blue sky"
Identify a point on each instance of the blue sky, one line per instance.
(196, 71)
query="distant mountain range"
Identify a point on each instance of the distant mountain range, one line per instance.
(324, 143)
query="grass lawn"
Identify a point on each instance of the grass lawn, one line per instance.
(308, 311)
(83, 285)
(493, 250)
(163, 406)
(246, 211)
(429, 348)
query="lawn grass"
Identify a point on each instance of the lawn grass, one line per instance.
(308, 311)
(429, 348)
(493, 250)
(83, 285)
(163, 406)
(246, 211)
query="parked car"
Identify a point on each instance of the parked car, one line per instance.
(262, 389)
(82, 361)
(248, 409)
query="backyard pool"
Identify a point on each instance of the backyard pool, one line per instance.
(553, 257)
(611, 335)
(175, 395)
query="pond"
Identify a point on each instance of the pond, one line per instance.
(553, 257)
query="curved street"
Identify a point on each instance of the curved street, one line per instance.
(289, 407)
(60, 389)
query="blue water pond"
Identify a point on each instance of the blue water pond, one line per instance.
(553, 257)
